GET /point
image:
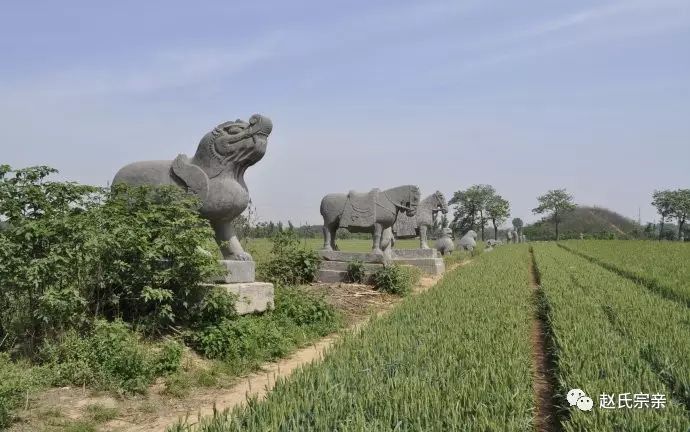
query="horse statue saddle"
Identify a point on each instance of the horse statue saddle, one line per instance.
(360, 209)
(405, 226)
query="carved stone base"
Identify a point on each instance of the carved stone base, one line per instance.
(252, 296)
(333, 268)
(431, 266)
(237, 271)
(351, 256)
(415, 253)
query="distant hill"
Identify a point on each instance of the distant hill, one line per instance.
(592, 222)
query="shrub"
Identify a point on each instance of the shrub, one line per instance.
(16, 379)
(396, 279)
(289, 262)
(70, 252)
(355, 271)
(248, 340)
(215, 305)
(111, 357)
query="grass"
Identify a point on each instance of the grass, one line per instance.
(100, 413)
(609, 333)
(455, 357)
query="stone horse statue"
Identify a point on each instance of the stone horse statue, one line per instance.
(411, 227)
(215, 174)
(369, 212)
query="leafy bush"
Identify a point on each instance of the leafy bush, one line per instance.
(111, 357)
(16, 379)
(355, 271)
(70, 252)
(289, 263)
(216, 304)
(396, 279)
(248, 340)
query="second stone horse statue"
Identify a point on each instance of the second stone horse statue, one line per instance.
(368, 212)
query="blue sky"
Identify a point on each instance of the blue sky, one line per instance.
(592, 96)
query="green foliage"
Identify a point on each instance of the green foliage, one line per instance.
(555, 202)
(396, 279)
(216, 304)
(16, 380)
(591, 222)
(246, 341)
(290, 263)
(101, 413)
(111, 357)
(355, 271)
(71, 252)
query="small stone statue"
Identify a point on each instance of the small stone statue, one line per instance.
(215, 174)
(509, 235)
(515, 237)
(468, 242)
(445, 244)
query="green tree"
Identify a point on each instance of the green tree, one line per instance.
(518, 224)
(662, 200)
(556, 202)
(680, 207)
(470, 208)
(497, 210)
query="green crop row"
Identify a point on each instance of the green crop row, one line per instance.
(611, 337)
(660, 266)
(457, 357)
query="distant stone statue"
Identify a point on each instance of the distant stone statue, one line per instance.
(369, 212)
(468, 242)
(523, 238)
(417, 225)
(509, 235)
(445, 244)
(215, 174)
(515, 237)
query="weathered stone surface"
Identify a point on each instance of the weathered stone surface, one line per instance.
(418, 225)
(351, 256)
(372, 212)
(431, 266)
(215, 174)
(445, 244)
(252, 296)
(237, 271)
(468, 241)
(414, 253)
(336, 276)
(342, 266)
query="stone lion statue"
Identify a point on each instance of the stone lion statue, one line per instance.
(215, 174)
(468, 242)
(445, 244)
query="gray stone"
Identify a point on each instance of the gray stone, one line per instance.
(514, 237)
(445, 244)
(252, 296)
(493, 242)
(509, 235)
(431, 266)
(418, 225)
(341, 276)
(368, 212)
(468, 242)
(215, 174)
(237, 271)
(523, 239)
(351, 256)
(414, 253)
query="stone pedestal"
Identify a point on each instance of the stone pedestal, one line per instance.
(427, 260)
(252, 296)
(334, 265)
(237, 271)
(239, 279)
(333, 268)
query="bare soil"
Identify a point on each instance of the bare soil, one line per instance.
(57, 408)
(543, 378)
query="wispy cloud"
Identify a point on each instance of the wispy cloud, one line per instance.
(147, 72)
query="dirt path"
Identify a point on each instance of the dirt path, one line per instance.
(260, 383)
(544, 381)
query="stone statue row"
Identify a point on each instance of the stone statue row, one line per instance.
(216, 175)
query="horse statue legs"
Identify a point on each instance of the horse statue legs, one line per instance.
(422, 237)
